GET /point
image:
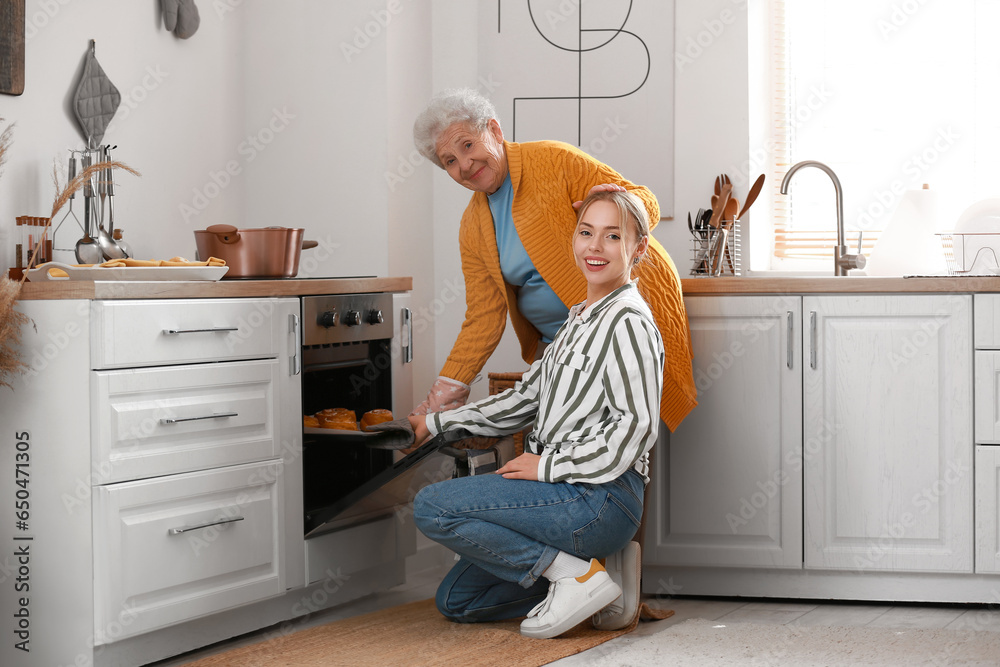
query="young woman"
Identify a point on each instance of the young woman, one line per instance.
(529, 537)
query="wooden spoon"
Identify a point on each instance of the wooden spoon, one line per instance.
(752, 195)
(720, 205)
(729, 214)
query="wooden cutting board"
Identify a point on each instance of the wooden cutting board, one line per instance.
(12, 47)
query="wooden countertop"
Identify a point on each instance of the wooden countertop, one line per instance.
(839, 285)
(79, 289)
(82, 289)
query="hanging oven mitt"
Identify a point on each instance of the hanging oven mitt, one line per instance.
(95, 101)
(180, 17)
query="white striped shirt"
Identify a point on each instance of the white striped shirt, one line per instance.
(593, 397)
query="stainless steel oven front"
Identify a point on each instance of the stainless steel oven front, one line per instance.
(357, 354)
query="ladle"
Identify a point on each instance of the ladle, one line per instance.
(87, 251)
(109, 247)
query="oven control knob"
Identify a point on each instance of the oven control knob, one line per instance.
(375, 317)
(327, 319)
(352, 318)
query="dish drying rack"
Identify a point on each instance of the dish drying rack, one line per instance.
(971, 253)
(718, 252)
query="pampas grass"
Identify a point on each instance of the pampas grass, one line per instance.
(11, 320)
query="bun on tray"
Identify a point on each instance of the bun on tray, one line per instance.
(376, 416)
(338, 418)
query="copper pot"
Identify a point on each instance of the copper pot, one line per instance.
(269, 252)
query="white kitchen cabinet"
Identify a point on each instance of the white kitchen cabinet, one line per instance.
(728, 491)
(158, 421)
(120, 438)
(134, 333)
(177, 547)
(987, 510)
(987, 387)
(855, 461)
(888, 433)
(987, 397)
(987, 321)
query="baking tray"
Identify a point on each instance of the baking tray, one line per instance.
(127, 273)
(309, 430)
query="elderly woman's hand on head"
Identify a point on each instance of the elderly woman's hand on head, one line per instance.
(603, 187)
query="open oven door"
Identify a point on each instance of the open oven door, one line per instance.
(391, 490)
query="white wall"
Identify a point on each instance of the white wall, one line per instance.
(328, 91)
(711, 134)
(411, 231)
(456, 25)
(325, 64)
(181, 117)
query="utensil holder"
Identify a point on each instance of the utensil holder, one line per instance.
(718, 252)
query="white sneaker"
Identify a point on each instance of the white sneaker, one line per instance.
(570, 601)
(625, 569)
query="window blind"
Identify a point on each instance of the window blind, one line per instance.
(794, 238)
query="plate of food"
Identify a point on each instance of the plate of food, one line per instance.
(133, 270)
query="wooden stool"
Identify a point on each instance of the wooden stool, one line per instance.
(498, 382)
(502, 382)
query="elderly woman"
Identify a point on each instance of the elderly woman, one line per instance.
(517, 256)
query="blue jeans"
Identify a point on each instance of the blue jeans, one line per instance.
(508, 531)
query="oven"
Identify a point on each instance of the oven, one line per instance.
(357, 354)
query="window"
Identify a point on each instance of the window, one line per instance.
(889, 94)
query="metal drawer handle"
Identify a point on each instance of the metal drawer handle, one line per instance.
(171, 332)
(407, 336)
(295, 361)
(789, 347)
(178, 531)
(218, 415)
(812, 339)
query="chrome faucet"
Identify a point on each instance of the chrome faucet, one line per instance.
(842, 261)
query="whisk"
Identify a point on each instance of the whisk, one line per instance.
(69, 212)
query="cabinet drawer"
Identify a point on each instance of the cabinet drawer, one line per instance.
(987, 409)
(177, 331)
(987, 321)
(987, 510)
(171, 549)
(159, 421)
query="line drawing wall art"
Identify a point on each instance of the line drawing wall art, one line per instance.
(598, 74)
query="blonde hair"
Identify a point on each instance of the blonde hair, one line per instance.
(631, 215)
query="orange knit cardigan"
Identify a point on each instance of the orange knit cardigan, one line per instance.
(547, 177)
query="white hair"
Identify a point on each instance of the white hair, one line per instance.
(459, 105)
